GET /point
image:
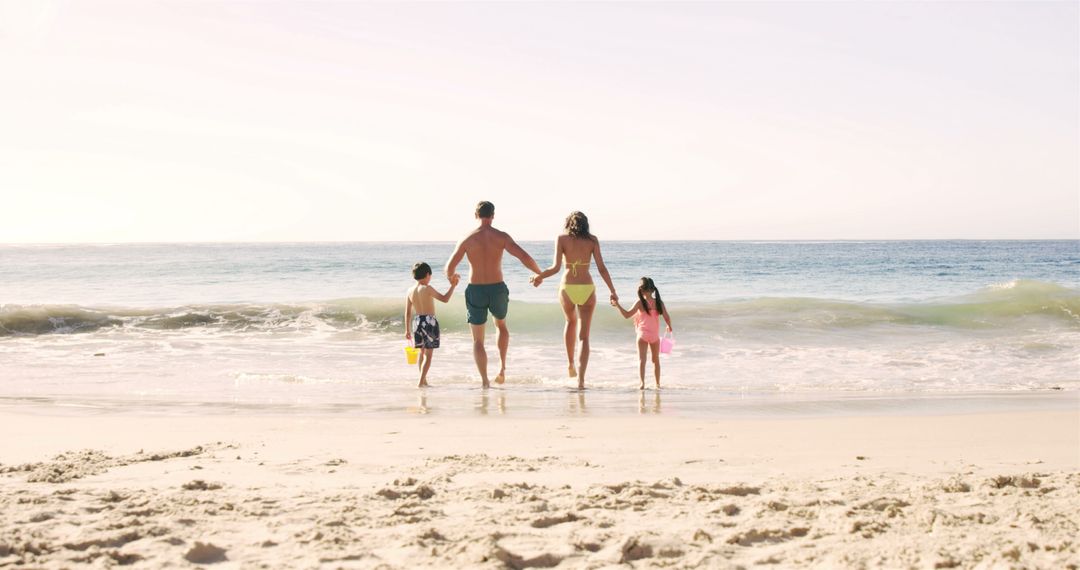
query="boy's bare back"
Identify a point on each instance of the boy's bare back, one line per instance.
(422, 300)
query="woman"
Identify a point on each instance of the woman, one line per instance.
(577, 293)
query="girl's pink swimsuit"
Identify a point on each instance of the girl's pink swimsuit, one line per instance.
(647, 323)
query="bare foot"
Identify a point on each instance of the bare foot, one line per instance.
(422, 384)
(642, 387)
(580, 385)
(501, 378)
(485, 385)
(571, 371)
(657, 385)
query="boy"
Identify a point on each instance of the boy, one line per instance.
(422, 328)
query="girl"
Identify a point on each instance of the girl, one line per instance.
(646, 313)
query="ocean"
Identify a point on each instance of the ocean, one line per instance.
(318, 326)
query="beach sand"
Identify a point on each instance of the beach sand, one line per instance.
(982, 490)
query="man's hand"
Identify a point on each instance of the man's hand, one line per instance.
(536, 280)
(455, 278)
(408, 336)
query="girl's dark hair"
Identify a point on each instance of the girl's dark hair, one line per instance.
(577, 225)
(648, 286)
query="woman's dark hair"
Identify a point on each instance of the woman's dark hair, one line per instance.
(577, 225)
(421, 270)
(647, 286)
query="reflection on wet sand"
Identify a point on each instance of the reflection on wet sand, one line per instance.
(485, 402)
(421, 406)
(577, 402)
(493, 402)
(655, 402)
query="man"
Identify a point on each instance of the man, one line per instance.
(486, 291)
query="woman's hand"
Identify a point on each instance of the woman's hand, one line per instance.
(614, 299)
(669, 329)
(536, 280)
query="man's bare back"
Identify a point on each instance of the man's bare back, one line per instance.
(484, 249)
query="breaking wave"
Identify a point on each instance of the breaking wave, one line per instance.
(999, 306)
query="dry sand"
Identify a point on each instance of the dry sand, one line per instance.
(969, 491)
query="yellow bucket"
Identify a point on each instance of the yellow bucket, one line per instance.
(411, 354)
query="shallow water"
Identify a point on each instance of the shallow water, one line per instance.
(318, 326)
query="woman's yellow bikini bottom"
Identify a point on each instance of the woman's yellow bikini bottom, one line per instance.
(578, 293)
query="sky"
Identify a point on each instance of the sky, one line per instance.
(151, 121)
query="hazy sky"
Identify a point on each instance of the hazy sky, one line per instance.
(205, 121)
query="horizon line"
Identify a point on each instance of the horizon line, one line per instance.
(327, 242)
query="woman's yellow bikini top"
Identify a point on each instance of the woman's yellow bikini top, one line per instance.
(573, 265)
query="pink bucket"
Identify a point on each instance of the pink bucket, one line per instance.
(667, 343)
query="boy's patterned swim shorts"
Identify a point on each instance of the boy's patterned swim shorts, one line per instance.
(425, 331)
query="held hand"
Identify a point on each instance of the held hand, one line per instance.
(536, 280)
(614, 299)
(454, 279)
(614, 302)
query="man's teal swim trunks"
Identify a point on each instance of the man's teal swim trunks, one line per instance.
(479, 299)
